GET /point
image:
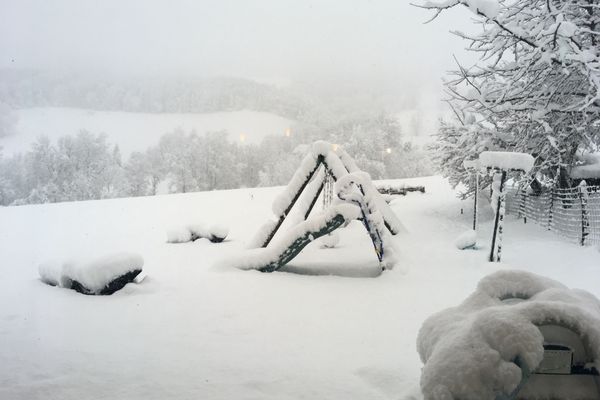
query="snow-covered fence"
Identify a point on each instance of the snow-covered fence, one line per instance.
(571, 212)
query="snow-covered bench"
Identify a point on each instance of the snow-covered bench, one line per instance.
(519, 335)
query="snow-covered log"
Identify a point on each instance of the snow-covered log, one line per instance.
(100, 276)
(190, 233)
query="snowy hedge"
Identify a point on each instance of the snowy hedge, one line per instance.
(470, 351)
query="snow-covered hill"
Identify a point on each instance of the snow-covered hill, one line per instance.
(137, 131)
(196, 329)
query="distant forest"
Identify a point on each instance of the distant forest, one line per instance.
(25, 89)
(86, 166)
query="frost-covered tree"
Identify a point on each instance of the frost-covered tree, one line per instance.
(87, 167)
(137, 172)
(536, 85)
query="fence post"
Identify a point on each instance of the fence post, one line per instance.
(475, 201)
(551, 207)
(585, 222)
(522, 203)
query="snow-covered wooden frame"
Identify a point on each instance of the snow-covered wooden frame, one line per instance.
(326, 159)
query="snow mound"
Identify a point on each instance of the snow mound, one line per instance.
(179, 235)
(471, 351)
(506, 160)
(466, 240)
(190, 233)
(103, 275)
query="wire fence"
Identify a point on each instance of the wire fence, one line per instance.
(573, 213)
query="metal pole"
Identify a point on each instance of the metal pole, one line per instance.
(475, 201)
(496, 247)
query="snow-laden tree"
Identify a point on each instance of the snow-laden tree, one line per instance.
(536, 85)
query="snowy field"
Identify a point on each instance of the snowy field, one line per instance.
(137, 131)
(195, 329)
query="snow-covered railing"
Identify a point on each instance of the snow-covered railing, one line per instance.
(573, 213)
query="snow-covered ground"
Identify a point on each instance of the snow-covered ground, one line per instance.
(195, 329)
(137, 131)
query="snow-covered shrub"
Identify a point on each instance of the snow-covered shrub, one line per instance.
(103, 275)
(471, 351)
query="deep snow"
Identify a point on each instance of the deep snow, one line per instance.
(195, 329)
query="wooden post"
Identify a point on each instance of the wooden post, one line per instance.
(523, 202)
(585, 222)
(475, 201)
(551, 208)
(496, 247)
(320, 160)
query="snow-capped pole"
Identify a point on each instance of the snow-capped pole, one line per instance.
(499, 163)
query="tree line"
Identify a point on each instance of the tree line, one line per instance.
(85, 166)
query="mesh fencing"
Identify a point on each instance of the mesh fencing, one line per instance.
(573, 213)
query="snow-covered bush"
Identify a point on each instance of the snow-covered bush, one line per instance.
(100, 276)
(471, 351)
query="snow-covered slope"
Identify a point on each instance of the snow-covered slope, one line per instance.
(195, 329)
(137, 131)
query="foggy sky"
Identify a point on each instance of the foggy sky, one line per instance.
(286, 39)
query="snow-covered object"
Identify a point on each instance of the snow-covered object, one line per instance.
(179, 235)
(92, 276)
(339, 164)
(193, 232)
(357, 188)
(261, 257)
(470, 351)
(496, 193)
(590, 169)
(467, 240)
(330, 241)
(215, 233)
(218, 232)
(261, 235)
(506, 160)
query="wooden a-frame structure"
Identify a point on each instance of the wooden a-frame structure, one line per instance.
(327, 160)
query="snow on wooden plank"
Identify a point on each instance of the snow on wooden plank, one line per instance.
(506, 160)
